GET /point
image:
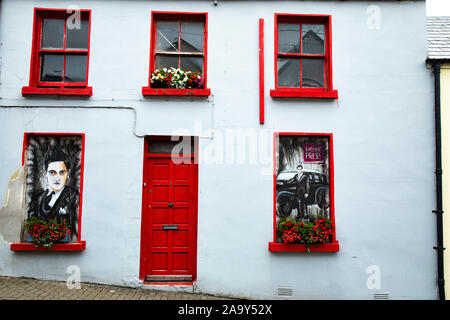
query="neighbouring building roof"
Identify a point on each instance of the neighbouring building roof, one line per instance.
(438, 37)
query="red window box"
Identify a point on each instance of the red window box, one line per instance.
(29, 91)
(60, 53)
(73, 246)
(300, 93)
(179, 40)
(147, 91)
(303, 67)
(281, 247)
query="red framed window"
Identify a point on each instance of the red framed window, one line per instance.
(303, 58)
(54, 165)
(303, 184)
(60, 52)
(179, 41)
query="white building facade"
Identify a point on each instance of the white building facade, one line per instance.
(340, 88)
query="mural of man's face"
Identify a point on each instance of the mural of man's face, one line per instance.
(57, 175)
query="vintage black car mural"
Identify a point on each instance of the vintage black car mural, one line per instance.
(288, 198)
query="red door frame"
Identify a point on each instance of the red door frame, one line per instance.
(145, 187)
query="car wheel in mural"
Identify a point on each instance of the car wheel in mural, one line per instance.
(53, 168)
(285, 203)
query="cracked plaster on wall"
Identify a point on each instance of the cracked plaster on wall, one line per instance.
(12, 212)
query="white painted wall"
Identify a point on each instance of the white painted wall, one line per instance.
(383, 141)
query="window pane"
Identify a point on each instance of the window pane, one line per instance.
(289, 72)
(52, 67)
(194, 64)
(289, 38)
(186, 145)
(312, 73)
(163, 61)
(313, 39)
(52, 34)
(77, 35)
(192, 36)
(167, 35)
(76, 67)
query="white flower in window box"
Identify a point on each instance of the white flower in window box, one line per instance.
(176, 79)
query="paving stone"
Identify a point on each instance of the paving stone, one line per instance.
(12, 288)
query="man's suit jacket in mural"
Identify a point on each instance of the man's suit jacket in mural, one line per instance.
(65, 208)
(303, 186)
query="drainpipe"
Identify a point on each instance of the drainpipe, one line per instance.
(439, 212)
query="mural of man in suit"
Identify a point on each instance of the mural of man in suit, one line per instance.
(303, 187)
(57, 201)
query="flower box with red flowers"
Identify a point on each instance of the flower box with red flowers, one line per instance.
(176, 82)
(47, 233)
(314, 235)
(176, 79)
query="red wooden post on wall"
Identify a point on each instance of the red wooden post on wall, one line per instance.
(261, 71)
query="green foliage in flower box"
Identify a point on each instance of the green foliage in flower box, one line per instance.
(174, 78)
(317, 231)
(46, 233)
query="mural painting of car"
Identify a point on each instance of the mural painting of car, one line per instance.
(286, 191)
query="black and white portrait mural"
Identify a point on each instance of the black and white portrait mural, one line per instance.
(53, 174)
(302, 177)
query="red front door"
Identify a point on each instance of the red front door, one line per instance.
(169, 219)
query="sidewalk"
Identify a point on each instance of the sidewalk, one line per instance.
(31, 289)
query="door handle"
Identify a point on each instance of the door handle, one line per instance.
(170, 204)
(170, 227)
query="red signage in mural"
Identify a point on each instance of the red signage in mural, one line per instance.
(313, 153)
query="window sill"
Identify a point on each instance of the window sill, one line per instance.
(73, 246)
(300, 93)
(30, 91)
(147, 91)
(150, 283)
(281, 247)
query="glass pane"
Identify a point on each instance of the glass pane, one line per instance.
(77, 35)
(76, 67)
(192, 36)
(163, 61)
(52, 66)
(194, 64)
(289, 72)
(167, 33)
(52, 34)
(186, 145)
(313, 39)
(289, 38)
(312, 73)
